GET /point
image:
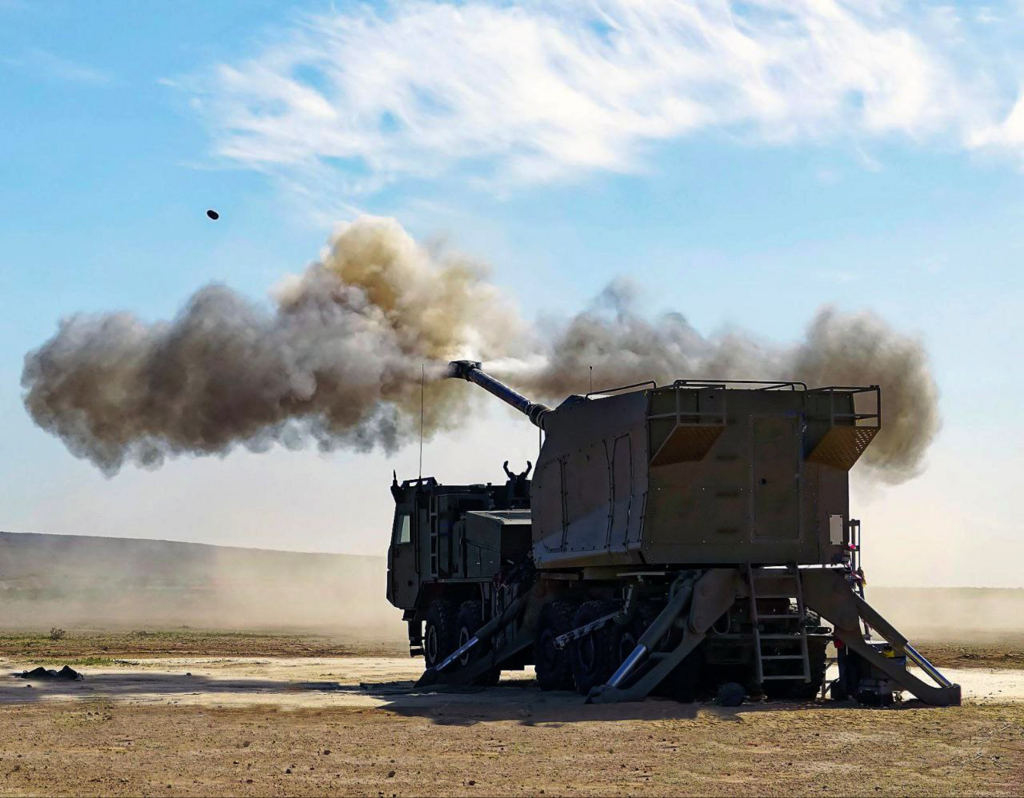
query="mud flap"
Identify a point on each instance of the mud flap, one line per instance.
(828, 593)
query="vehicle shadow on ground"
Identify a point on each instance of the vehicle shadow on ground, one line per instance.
(523, 702)
(517, 700)
(15, 690)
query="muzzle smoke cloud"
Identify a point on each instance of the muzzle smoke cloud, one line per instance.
(624, 346)
(338, 359)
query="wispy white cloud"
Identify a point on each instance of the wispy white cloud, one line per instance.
(867, 160)
(543, 91)
(1006, 135)
(50, 65)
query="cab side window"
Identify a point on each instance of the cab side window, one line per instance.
(402, 532)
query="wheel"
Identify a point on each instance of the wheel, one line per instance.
(554, 665)
(469, 621)
(625, 643)
(595, 657)
(626, 638)
(646, 612)
(442, 634)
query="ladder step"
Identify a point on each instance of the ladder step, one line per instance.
(785, 616)
(788, 581)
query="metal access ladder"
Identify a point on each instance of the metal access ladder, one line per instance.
(435, 542)
(785, 631)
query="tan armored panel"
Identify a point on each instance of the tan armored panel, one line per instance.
(698, 473)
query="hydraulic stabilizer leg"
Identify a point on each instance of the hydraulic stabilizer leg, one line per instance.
(486, 632)
(828, 593)
(696, 601)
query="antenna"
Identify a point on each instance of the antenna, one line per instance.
(591, 379)
(423, 374)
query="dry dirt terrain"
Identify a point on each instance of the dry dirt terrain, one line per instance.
(169, 708)
(185, 712)
(967, 650)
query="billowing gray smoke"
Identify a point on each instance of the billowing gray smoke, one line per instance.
(625, 346)
(338, 359)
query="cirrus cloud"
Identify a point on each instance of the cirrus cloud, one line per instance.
(353, 100)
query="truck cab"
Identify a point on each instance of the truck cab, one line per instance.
(459, 536)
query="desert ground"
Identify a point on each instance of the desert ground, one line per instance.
(185, 712)
(206, 685)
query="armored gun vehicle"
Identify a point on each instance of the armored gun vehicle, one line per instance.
(672, 539)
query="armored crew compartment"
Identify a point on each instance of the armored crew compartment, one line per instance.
(700, 473)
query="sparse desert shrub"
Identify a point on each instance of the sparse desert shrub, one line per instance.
(57, 633)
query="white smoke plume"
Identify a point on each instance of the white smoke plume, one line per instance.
(339, 359)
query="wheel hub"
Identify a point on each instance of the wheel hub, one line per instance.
(431, 645)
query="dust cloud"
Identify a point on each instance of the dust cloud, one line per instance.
(76, 581)
(963, 615)
(79, 582)
(339, 357)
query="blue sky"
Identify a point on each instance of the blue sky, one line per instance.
(742, 164)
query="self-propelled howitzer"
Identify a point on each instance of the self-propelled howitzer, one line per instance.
(673, 537)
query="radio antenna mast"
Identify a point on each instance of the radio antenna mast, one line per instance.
(423, 374)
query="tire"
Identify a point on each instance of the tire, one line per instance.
(442, 634)
(626, 638)
(646, 612)
(595, 657)
(470, 620)
(554, 666)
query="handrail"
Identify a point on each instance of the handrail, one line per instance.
(606, 391)
(767, 385)
(855, 417)
(695, 417)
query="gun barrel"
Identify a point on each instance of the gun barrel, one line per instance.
(470, 371)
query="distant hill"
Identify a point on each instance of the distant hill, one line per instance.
(76, 581)
(81, 581)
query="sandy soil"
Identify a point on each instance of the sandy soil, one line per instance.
(295, 708)
(975, 651)
(85, 644)
(310, 682)
(522, 745)
(306, 725)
